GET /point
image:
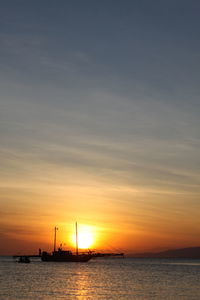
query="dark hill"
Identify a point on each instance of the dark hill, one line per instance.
(192, 252)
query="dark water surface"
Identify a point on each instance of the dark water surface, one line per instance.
(100, 279)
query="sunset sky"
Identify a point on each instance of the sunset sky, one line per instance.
(99, 123)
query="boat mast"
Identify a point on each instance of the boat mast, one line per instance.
(76, 239)
(54, 248)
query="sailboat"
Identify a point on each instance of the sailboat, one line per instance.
(65, 255)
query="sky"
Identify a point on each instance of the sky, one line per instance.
(99, 123)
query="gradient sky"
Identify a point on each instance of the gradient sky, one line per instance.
(99, 122)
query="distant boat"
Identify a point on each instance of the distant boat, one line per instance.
(65, 256)
(24, 260)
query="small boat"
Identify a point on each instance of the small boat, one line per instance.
(65, 256)
(24, 259)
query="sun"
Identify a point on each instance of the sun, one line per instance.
(85, 237)
(84, 240)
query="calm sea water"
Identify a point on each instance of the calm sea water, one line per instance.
(100, 279)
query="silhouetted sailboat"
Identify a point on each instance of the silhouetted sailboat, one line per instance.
(63, 255)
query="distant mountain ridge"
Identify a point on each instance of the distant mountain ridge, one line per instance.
(191, 252)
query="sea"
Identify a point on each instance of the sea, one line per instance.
(99, 279)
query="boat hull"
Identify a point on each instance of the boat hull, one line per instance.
(46, 257)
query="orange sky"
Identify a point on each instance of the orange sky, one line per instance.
(121, 218)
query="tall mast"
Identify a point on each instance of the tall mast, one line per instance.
(54, 248)
(76, 239)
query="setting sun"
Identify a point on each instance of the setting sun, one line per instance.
(85, 237)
